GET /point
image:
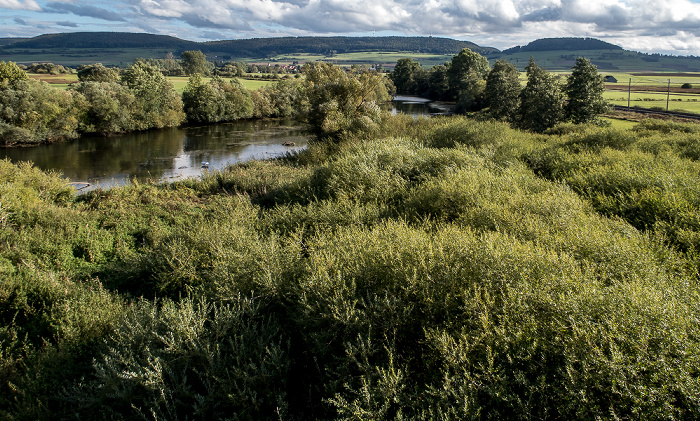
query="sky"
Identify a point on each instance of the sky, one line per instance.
(652, 26)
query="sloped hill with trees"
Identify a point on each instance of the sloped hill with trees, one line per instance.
(555, 44)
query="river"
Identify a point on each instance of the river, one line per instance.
(173, 154)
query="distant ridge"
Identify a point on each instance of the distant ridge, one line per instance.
(563, 44)
(102, 40)
(256, 47)
(322, 45)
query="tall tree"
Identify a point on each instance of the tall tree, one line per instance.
(584, 89)
(158, 105)
(502, 94)
(404, 75)
(194, 62)
(541, 101)
(466, 75)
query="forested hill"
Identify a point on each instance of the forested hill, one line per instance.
(103, 40)
(258, 47)
(261, 47)
(563, 44)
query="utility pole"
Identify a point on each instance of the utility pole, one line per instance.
(668, 94)
(629, 94)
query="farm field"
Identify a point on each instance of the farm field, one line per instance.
(179, 82)
(385, 58)
(74, 57)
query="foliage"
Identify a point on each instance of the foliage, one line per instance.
(158, 105)
(194, 62)
(97, 73)
(541, 101)
(216, 100)
(502, 92)
(405, 74)
(466, 76)
(584, 91)
(109, 107)
(441, 268)
(10, 73)
(342, 103)
(34, 112)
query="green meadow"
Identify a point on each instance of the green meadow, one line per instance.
(441, 268)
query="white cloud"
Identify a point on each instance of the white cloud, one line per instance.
(648, 24)
(20, 5)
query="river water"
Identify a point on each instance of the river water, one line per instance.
(172, 154)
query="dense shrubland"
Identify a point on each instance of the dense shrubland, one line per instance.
(439, 269)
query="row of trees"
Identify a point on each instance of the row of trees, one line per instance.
(333, 101)
(497, 92)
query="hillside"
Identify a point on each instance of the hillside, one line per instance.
(115, 42)
(559, 54)
(120, 49)
(571, 44)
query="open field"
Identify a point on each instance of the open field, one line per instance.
(74, 57)
(179, 82)
(387, 59)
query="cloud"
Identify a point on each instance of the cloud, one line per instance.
(67, 24)
(499, 23)
(19, 21)
(20, 5)
(86, 11)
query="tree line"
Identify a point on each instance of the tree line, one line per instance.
(108, 101)
(333, 101)
(498, 93)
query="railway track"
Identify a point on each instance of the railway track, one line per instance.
(656, 112)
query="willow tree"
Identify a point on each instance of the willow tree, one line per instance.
(342, 103)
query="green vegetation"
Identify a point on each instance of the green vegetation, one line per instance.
(440, 268)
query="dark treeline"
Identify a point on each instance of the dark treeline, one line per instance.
(497, 92)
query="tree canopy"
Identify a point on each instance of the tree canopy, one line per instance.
(584, 90)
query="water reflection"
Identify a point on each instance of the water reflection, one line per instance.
(417, 106)
(171, 154)
(163, 154)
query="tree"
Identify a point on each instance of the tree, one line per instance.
(404, 75)
(109, 107)
(438, 83)
(33, 111)
(97, 73)
(10, 73)
(541, 101)
(341, 103)
(466, 75)
(584, 89)
(216, 101)
(502, 93)
(194, 62)
(157, 105)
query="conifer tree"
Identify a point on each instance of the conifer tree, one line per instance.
(502, 93)
(541, 101)
(584, 89)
